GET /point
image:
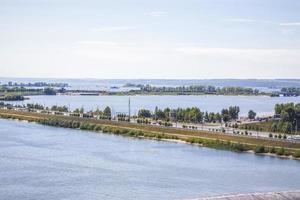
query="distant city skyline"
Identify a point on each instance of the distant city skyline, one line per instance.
(133, 39)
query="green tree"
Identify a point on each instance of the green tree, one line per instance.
(107, 112)
(225, 115)
(251, 114)
(234, 112)
(143, 113)
(49, 91)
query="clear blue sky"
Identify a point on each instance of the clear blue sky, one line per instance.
(150, 39)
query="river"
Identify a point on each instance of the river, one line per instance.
(40, 162)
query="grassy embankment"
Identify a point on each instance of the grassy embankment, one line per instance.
(213, 140)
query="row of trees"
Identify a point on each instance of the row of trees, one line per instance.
(193, 114)
(36, 84)
(291, 91)
(200, 89)
(12, 97)
(60, 108)
(105, 114)
(27, 91)
(289, 115)
(189, 115)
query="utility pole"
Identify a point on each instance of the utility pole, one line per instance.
(296, 126)
(129, 111)
(112, 113)
(176, 119)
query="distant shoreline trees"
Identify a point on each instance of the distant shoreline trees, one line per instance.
(12, 97)
(200, 89)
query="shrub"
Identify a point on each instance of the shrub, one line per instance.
(272, 150)
(280, 151)
(75, 124)
(284, 137)
(259, 149)
(98, 128)
(287, 153)
(296, 154)
(239, 147)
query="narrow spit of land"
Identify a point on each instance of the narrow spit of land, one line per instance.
(292, 195)
(209, 139)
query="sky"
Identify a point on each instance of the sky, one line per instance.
(172, 39)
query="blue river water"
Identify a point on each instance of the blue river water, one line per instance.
(40, 162)
(263, 105)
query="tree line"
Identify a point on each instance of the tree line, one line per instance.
(289, 118)
(191, 115)
(286, 120)
(291, 91)
(200, 89)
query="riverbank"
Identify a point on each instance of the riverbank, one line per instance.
(207, 139)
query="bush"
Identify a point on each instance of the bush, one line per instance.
(75, 124)
(287, 153)
(296, 154)
(272, 150)
(260, 149)
(98, 128)
(280, 151)
(284, 137)
(239, 147)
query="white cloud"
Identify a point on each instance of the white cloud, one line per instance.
(227, 51)
(248, 20)
(286, 31)
(115, 28)
(96, 42)
(156, 13)
(256, 57)
(290, 24)
(240, 20)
